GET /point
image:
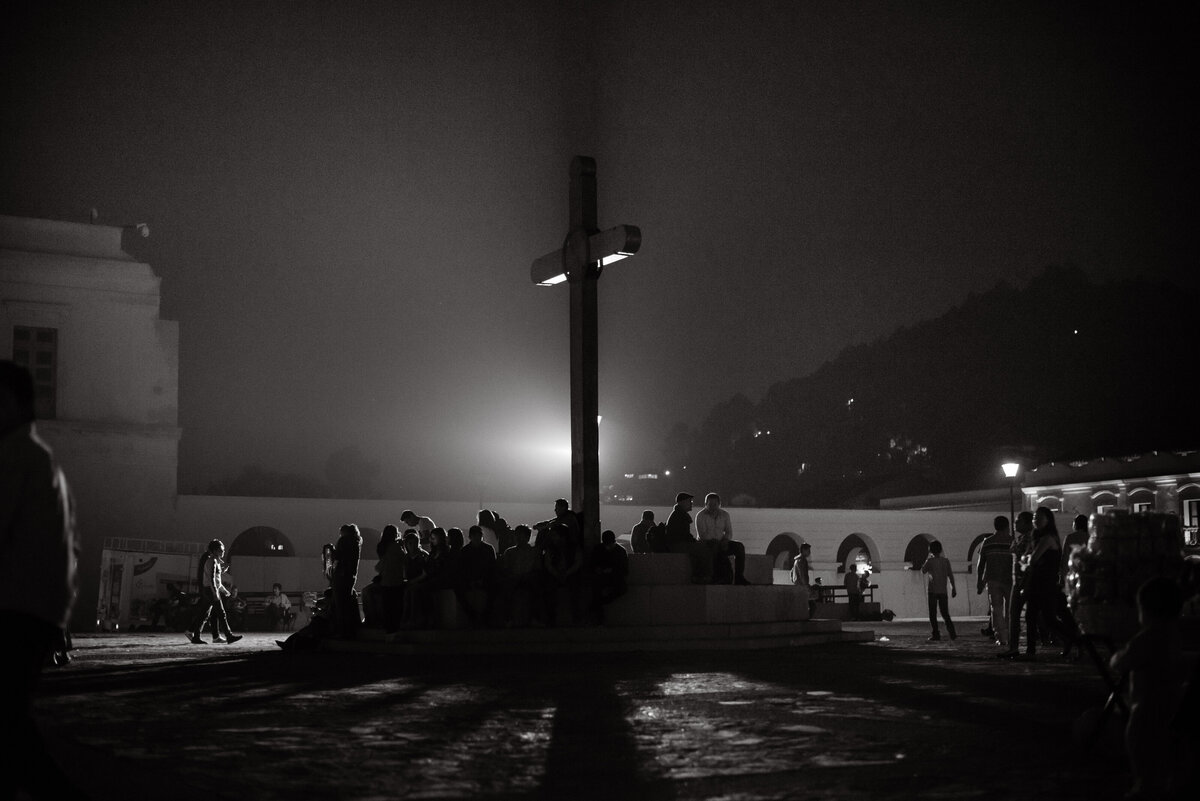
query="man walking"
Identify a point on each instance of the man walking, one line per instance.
(938, 568)
(995, 573)
(715, 529)
(39, 551)
(212, 591)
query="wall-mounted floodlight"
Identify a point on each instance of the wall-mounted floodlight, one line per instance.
(605, 247)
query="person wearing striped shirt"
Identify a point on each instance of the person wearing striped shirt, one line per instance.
(995, 573)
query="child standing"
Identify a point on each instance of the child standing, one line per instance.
(937, 567)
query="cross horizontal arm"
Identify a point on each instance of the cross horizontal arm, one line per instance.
(605, 247)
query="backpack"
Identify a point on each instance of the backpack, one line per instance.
(656, 537)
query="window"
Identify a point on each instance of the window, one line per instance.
(1143, 506)
(37, 349)
(1191, 520)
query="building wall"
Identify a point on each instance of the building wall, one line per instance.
(115, 430)
(310, 522)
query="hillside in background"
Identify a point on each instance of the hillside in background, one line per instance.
(1064, 368)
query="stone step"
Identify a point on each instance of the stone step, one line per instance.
(603, 639)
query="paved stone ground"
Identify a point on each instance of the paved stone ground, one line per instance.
(147, 716)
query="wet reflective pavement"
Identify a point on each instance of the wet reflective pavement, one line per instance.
(152, 716)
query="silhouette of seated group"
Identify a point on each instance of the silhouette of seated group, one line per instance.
(496, 576)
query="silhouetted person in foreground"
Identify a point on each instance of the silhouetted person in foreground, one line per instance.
(519, 575)
(1153, 658)
(639, 535)
(610, 572)
(438, 574)
(681, 540)
(39, 550)
(391, 567)
(563, 516)
(1022, 547)
(562, 562)
(854, 593)
(212, 593)
(476, 569)
(347, 552)
(1045, 598)
(937, 567)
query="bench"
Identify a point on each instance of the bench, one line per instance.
(248, 612)
(833, 603)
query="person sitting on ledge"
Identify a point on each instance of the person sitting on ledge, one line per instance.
(563, 516)
(680, 539)
(477, 564)
(423, 525)
(392, 562)
(562, 562)
(519, 572)
(715, 530)
(639, 535)
(279, 608)
(610, 570)
(439, 574)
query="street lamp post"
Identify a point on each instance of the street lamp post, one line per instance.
(1010, 472)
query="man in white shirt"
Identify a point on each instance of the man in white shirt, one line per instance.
(715, 529)
(423, 525)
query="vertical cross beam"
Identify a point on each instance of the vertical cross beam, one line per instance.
(583, 255)
(585, 358)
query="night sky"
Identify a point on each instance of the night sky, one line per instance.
(344, 200)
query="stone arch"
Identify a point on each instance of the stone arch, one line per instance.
(975, 543)
(918, 551)
(1052, 502)
(853, 545)
(784, 548)
(261, 541)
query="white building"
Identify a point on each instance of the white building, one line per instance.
(83, 315)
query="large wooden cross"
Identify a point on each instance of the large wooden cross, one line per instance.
(583, 255)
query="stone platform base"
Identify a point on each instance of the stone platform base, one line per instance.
(602, 639)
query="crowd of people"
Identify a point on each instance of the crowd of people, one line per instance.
(540, 574)
(1024, 571)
